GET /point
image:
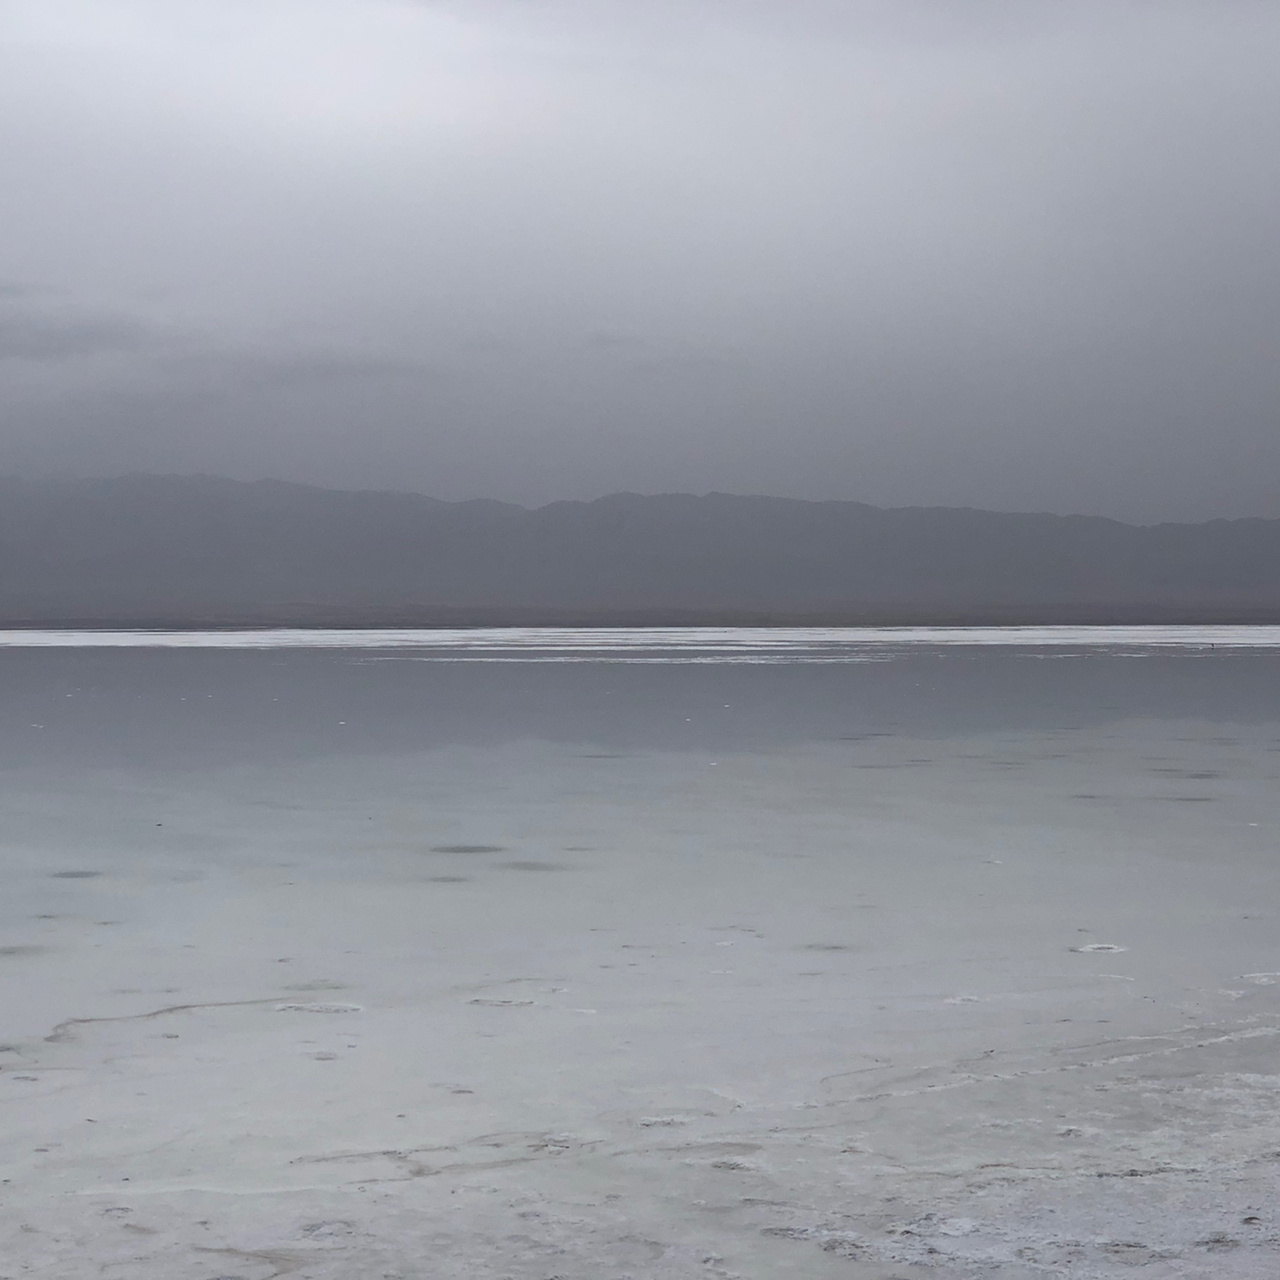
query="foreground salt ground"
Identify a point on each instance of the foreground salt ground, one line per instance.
(999, 1005)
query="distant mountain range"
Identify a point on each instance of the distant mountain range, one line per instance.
(193, 550)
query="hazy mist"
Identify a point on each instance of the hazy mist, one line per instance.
(1014, 254)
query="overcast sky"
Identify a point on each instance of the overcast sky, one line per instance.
(1019, 254)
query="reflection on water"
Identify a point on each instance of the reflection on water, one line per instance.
(192, 707)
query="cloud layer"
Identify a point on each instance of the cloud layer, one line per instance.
(1013, 253)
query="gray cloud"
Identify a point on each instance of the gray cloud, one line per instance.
(1011, 253)
(231, 372)
(29, 335)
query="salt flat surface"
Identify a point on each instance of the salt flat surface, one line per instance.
(946, 965)
(659, 644)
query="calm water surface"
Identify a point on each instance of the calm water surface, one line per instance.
(746, 954)
(194, 698)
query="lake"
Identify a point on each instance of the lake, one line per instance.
(605, 954)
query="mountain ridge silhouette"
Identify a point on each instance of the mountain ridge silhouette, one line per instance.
(203, 550)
